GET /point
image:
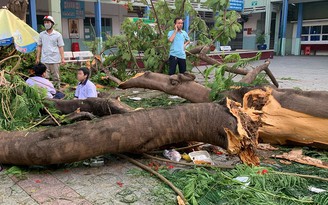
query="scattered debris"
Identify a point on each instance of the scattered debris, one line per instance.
(316, 190)
(120, 184)
(268, 147)
(296, 155)
(201, 157)
(243, 180)
(95, 162)
(180, 201)
(135, 98)
(186, 157)
(172, 155)
(174, 97)
(285, 162)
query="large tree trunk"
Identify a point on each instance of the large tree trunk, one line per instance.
(19, 8)
(138, 131)
(290, 116)
(286, 116)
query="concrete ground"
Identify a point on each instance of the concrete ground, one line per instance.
(112, 183)
(303, 72)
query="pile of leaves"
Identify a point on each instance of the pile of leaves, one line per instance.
(20, 103)
(263, 185)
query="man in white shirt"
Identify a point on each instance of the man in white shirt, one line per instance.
(51, 48)
(85, 89)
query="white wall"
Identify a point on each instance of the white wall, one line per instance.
(249, 40)
(114, 11)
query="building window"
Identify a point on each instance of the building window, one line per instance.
(305, 30)
(315, 29)
(315, 33)
(89, 27)
(324, 29)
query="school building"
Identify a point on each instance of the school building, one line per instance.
(291, 27)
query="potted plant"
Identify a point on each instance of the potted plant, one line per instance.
(260, 41)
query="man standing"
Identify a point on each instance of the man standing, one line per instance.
(85, 89)
(179, 39)
(51, 48)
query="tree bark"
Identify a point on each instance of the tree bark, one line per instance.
(182, 85)
(18, 8)
(96, 106)
(138, 131)
(289, 116)
(251, 75)
(281, 112)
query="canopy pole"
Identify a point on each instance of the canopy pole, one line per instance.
(32, 11)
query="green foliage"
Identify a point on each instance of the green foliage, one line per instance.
(149, 44)
(68, 73)
(223, 81)
(205, 187)
(260, 39)
(16, 171)
(20, 104)
(160, 101)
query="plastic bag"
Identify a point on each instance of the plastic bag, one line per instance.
(172, 155)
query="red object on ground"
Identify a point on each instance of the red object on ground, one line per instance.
(307, 50)
(120, 184)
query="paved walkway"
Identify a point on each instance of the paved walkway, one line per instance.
(111, 183)
(303, 72)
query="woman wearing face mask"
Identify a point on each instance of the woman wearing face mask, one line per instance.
(51, 48)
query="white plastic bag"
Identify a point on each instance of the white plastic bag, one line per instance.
(172, 155)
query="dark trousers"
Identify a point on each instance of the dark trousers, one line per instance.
(173, 64)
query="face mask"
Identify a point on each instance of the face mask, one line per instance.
(48, 26)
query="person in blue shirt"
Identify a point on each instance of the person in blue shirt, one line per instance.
(85, 89)
(179, 39)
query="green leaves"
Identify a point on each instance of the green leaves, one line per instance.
(218, 80)
(20, 104)
(206, 187)
(153, 45)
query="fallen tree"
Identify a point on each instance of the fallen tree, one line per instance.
(138, 131)
(286, 116)
(244, 116)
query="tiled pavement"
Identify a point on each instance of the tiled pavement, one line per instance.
(108, 184)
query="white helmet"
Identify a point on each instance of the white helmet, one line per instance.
(49, 18)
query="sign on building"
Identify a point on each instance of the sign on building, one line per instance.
(72, 9)
(236, 5)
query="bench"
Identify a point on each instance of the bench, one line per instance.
(69, 58)
(225, 48)
(83, 56)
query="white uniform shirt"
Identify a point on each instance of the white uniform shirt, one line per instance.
(50, 46)
(42, 83)
(86, 90)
